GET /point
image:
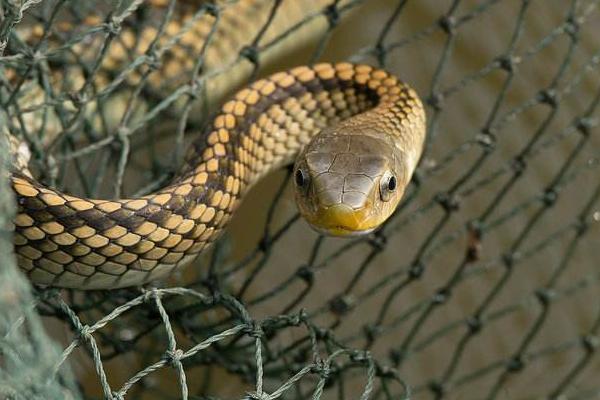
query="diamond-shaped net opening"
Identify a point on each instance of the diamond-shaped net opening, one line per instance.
(483, 285)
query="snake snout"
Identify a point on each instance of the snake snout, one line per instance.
(342, 220)
(340, 205)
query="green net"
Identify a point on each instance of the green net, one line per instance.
(483, 285)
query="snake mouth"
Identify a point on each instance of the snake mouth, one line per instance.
(341, 231)
(341, 220)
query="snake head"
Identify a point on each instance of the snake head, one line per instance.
(349, 184)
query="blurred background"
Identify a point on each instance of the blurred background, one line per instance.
(483, 285)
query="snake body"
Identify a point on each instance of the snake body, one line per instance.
(329, 113)
(165, 52)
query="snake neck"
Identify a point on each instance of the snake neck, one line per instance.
(265, 125)
(69, 241)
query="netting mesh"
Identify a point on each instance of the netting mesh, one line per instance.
(483, 285)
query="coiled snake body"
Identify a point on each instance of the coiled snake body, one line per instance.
(359, 132)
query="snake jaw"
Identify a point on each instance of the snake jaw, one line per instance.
(341, 231)
(344, 221)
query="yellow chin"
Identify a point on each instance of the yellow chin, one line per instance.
(342, 220)
(341, 231)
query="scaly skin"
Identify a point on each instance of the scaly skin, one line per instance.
(67, 241)
(361, 126)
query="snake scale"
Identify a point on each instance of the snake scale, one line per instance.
(355, 131)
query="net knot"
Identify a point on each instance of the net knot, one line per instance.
(435, 100)
(590, 343)
(79, 99)
(441, 296)
(322, 368)
(581, 226)
(265, 243)
(545, 296)
(449, 202)
(149, 295)
(475, 231)
(584, 126)
(549, 96)
(322, 333)
(113, 27)
(250, 53)
(306, 274)
(36, 57)
(572, 26)
(254, 330)
(211, 9)
(416, 270)
(437, 388)
(549, 197)
(510, 259)
(173, 357)
(341, 305)
(380, 53)
(117, 396)
(397, 356)
(257, 396)
(333, 14)
(448, 24)
(361, 356)
(384, 371)
(372, 331)
(516, 364)
(84, 332)
(48, 294)
(518, 165)
(508, 62)
(153, 60)
(195, 88)
(474, 324)
(378, 240)
(123, 133)
(487, 140)
(302, 316)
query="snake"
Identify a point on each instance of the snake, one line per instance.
(354, 134)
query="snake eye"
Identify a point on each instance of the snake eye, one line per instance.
(301, 178)
(392, 183)
(387, 185)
